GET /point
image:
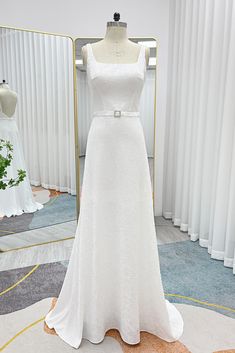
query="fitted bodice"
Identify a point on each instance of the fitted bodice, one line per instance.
(4, 116)
(115, 86)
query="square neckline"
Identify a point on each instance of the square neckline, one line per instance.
(100, 63)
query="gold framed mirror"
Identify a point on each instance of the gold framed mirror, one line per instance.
(147, 106)
(38, 69)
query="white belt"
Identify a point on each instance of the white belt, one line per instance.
(115, 113)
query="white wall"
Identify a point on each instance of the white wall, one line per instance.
(88, 19)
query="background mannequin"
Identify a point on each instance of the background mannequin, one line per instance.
(18, 199)
(115, 47)
(8, 99)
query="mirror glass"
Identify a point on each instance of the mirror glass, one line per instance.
(37, 154)
(147, 103)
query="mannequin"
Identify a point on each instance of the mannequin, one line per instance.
(8, 99)
(115, 47)
(113, 278)
(17, 199)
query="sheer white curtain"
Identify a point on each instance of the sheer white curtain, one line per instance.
(146, 110)
(199, 171)
(39, 68)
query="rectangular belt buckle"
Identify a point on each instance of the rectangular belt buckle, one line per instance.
(117, 113)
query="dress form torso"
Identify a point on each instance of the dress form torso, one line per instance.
(115, 47)
(8, 100)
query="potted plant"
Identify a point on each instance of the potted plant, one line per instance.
(5, 162)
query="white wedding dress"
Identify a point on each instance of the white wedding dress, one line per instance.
(113, 277)
(18, 199)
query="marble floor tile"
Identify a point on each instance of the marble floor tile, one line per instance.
(38, 235)
(61, 250)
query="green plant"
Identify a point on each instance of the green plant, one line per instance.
(5, 162)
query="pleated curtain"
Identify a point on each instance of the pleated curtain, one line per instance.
(199, 168)
(39, 68)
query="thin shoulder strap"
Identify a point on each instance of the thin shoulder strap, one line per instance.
(89, 52)
(142, 58)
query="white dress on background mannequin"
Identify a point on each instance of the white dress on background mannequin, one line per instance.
(113, 277)
(18, 199)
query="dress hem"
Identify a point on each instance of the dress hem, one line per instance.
(25, 210)
(94, 341)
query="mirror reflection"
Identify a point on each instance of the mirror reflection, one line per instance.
(147, 105)
(37, 155)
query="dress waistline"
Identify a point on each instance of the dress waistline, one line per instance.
(115, 113)
(7, 118)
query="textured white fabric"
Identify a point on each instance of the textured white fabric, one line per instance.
(113, 278)
(18, 199)
(146, 110)
(199, 180)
